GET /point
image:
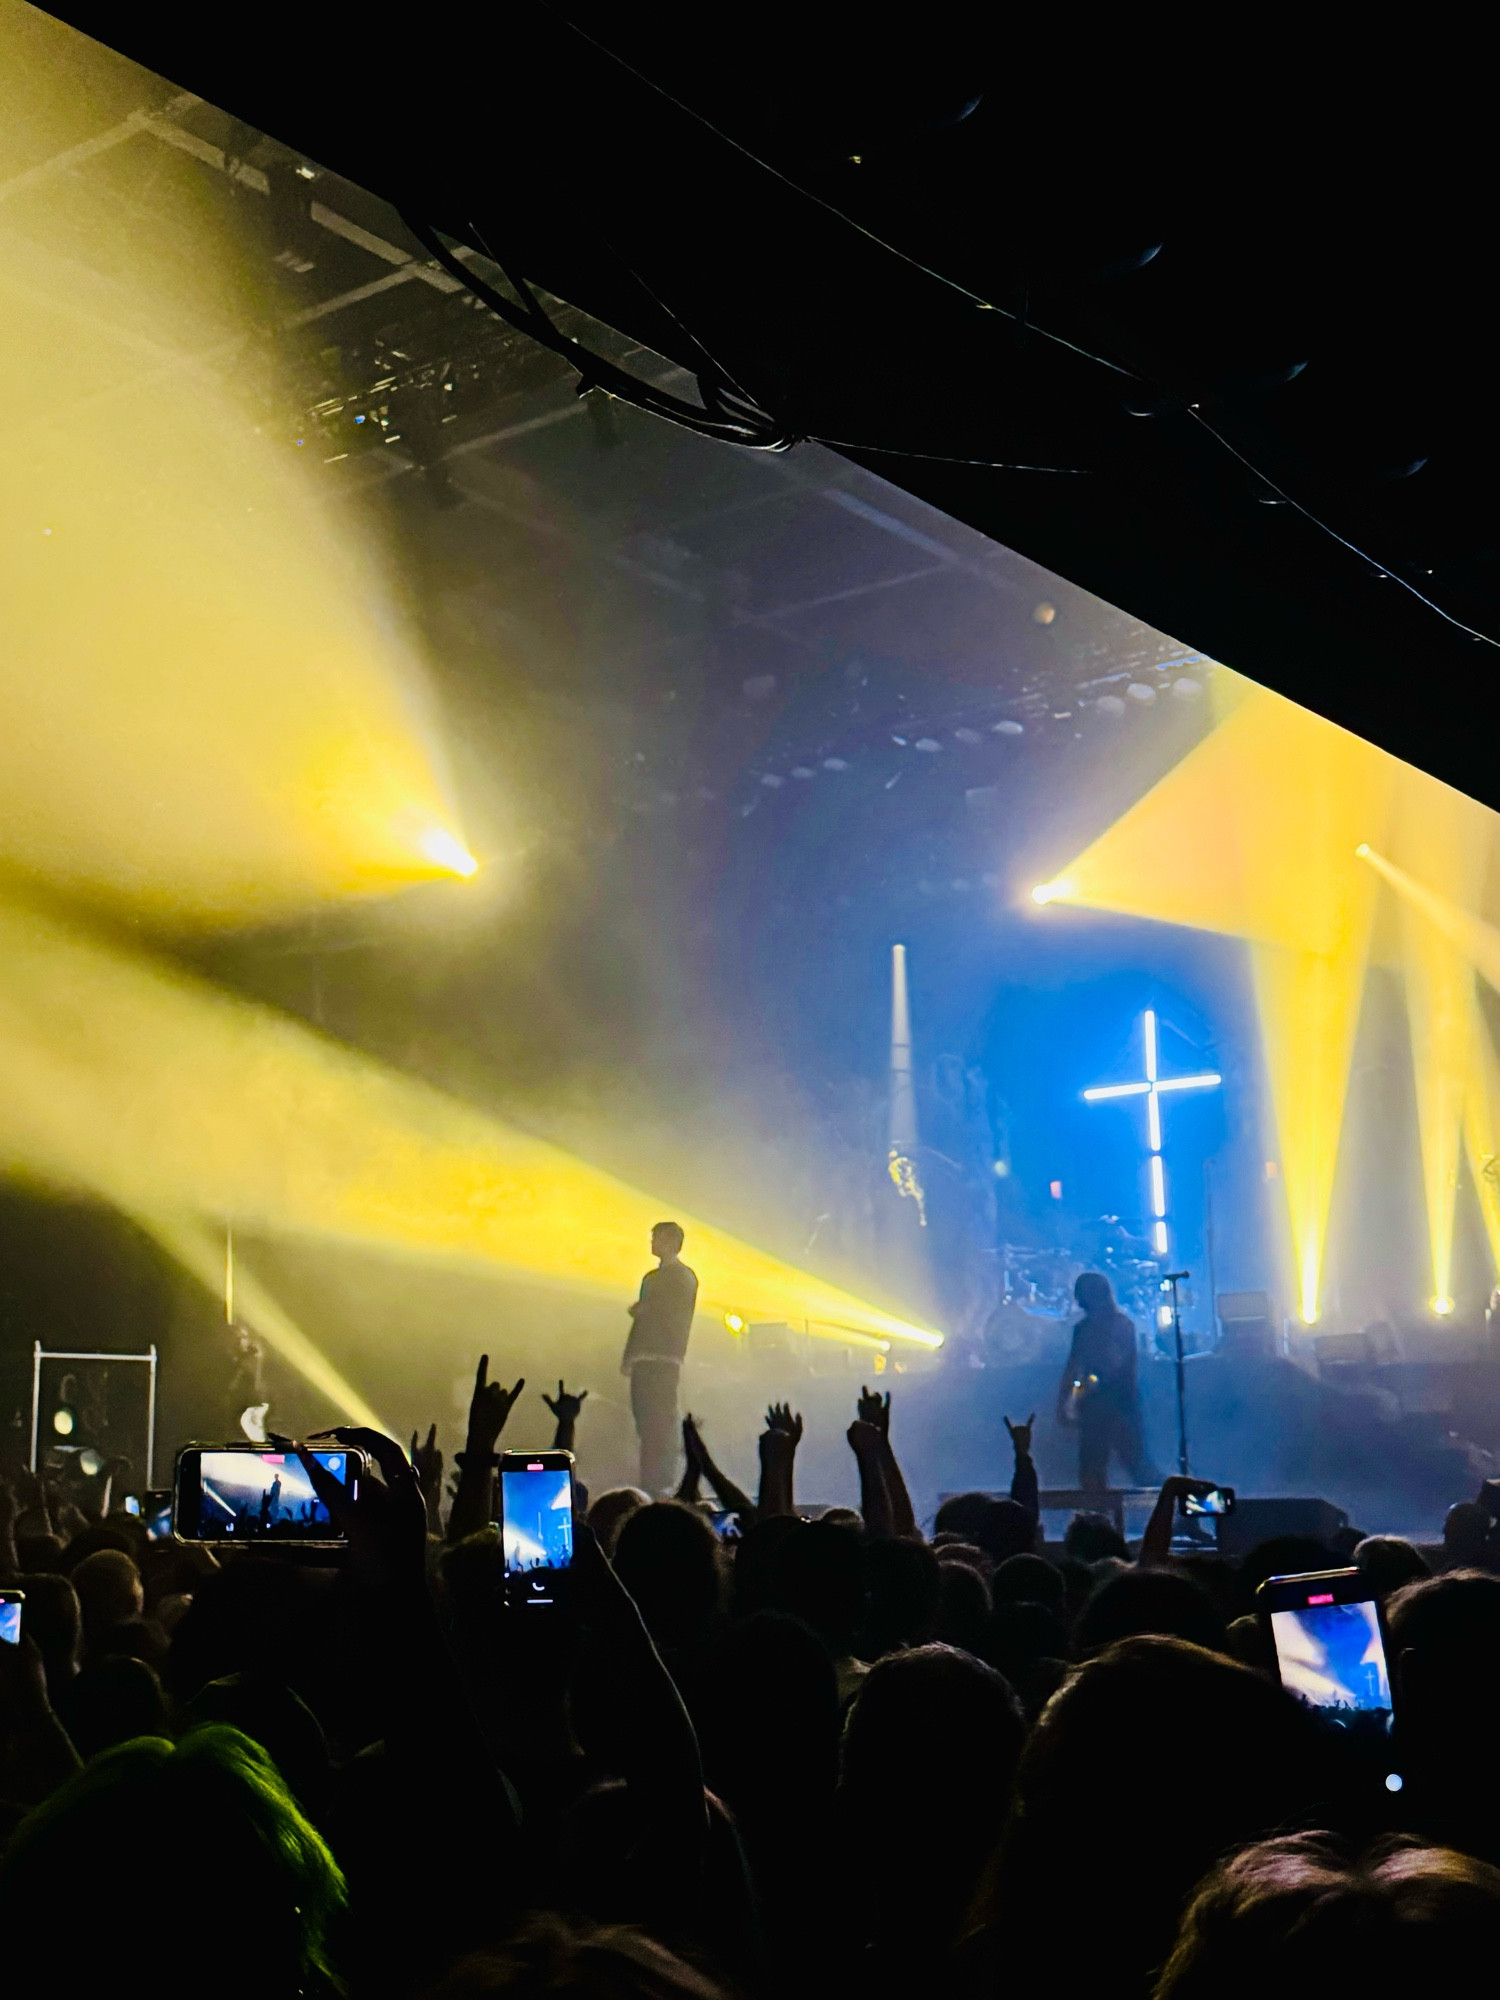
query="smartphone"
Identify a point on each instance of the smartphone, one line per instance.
(536, 1524)
(1217, 1501)
(156, 1514)
(725, 1523)
(10, 1616)
(1329, 1637)
(246, 1493)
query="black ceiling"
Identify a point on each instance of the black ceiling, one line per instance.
(1211, 312)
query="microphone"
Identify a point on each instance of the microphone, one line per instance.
(1174, 1277)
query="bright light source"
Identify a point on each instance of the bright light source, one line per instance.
(1363, 850)
(90, 1464)
(1442, 1307)
(1051, 892)
(448, 851)
(1309, 1315)
(62, 1421)
(734, 1323)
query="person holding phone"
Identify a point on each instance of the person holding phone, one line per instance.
(661, 1323)
(1098, 1391)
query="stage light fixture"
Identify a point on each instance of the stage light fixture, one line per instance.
(734, 1322)
(1442, 1307)
(1052, 892)
(63, 1421)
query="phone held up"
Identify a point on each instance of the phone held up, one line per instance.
(1216, 1502)
(246, 1494)
(536, 1526)
(1329, 1637)
(11, 1602)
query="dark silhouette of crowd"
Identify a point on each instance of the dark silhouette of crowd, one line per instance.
(816, 1755)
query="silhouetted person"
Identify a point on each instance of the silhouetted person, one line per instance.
(1099, 1392)
(662, 1319)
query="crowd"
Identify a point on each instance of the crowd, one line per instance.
(752, 1753)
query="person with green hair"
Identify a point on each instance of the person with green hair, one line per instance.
(253, 1892)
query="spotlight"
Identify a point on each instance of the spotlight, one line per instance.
(62, 1421)
(448, 851)
(734, 1323)
(1442, 1307)
(1309, 1315)
(90, 1463)
(1049, 892)
(1362, 852)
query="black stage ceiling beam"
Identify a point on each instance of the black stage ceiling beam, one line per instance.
(1205, 330)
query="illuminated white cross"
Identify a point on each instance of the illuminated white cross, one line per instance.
(1152, 1087)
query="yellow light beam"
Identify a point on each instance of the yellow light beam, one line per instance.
(196, 1248)
(211, 709)
(1253, 835)
(1469, 935)
(172, 1098)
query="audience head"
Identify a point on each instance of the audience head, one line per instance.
(963, 1617)
(667, 1557)
(1091, 1538)
(1122, 1744)
(1001, 1528)
(1148, 1600)
(1300, 1917)
(1388, 1562)
(1028, 1579)
(904, 1586)
(609, 1513)
(552, 1955)
(820, 1578)
(113, 1699)
(55, 1622)
(109, 1593)
(253, 1849)
(1466, 1535)
(667, 1239)
(929, 1759)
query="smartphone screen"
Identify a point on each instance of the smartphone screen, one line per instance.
(10, 1617)
(1217, 1501)
(254, 1496)
(1330, 1646)
(536, 1522)
(156, 1516)
(725, 1523)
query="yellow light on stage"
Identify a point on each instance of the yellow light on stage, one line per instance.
(448, 852)
(734, 1323)
(1442, 1307)
(1052, 892)
(128, 1076)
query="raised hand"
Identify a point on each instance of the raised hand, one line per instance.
(385, 1524)
(489, 1407)
(427, 1460)
(1020, 1435)
(864, 1437)
(781, 1421)
(427, 1463)
(692, 1443)
(566, 1404)
(875, 1410)
(778, 1451)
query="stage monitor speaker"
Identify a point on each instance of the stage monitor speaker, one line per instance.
(1256, 1521)
(1250, 1325)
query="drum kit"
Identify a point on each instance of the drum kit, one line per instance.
(1036, 1288)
